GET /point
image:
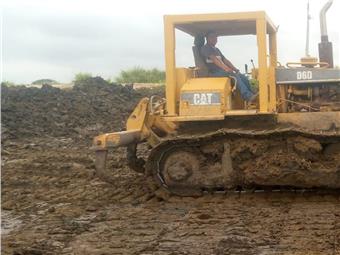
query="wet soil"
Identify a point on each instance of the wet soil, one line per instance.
(53, 203)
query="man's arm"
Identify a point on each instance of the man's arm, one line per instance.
(220, 64)
(229, 64)
(208, 53)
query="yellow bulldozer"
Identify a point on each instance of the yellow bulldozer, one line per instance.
(204, 137)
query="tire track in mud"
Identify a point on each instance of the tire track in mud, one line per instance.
(320, 220)
(250, 224)
(64, 209)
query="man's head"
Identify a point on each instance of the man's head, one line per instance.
(211, 38)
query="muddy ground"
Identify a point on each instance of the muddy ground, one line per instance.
(52, 202)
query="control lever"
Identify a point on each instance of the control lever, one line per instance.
(252, 62)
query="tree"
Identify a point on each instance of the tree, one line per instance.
(44, 81)
(80, 77)
(7, 83)
(141, 75)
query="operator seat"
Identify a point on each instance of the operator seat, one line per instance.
(199, 61)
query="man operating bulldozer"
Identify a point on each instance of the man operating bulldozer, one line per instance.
(219, 66)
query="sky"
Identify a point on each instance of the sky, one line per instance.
(43, 39)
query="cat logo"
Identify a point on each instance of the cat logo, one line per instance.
(202, 98)
(208, 98)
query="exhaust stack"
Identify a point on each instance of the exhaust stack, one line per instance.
(325, 47)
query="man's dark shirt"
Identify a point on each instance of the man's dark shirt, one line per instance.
(207, 51)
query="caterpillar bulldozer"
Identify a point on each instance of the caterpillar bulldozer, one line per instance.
(203, 137)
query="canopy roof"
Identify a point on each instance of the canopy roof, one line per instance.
(242, 23)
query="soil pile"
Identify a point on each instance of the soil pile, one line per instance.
(90, 107)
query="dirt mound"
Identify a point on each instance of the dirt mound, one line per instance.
(90, 107)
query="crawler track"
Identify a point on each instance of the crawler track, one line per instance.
(246, 159)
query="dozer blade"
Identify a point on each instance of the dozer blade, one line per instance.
(100, 163)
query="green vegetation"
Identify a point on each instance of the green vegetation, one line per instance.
(44, 81)
(80, 77)
(254, 84)
(7, 83)
(141, 75)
